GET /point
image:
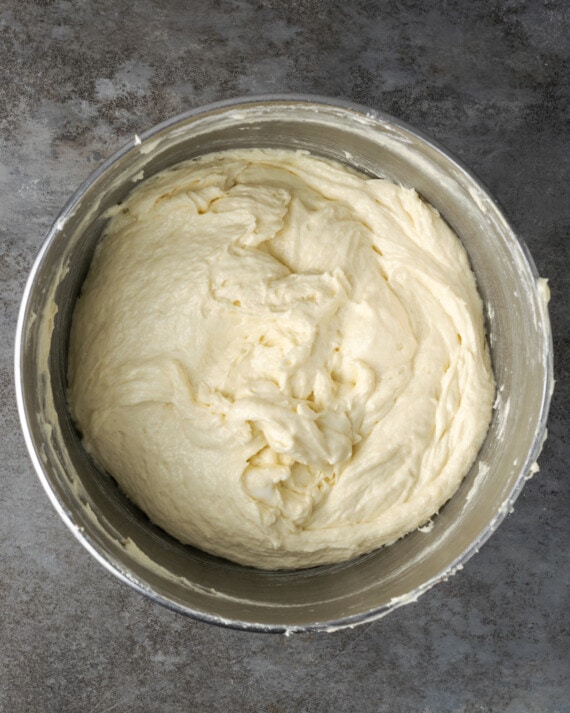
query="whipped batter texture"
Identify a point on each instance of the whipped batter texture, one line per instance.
(280, 361)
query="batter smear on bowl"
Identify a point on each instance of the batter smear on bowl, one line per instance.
(281, 361)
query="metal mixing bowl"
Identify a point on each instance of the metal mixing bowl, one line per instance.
(327, 597)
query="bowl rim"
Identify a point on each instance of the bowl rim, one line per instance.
(526, 469)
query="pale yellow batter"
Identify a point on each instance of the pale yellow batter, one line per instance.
(280, 361)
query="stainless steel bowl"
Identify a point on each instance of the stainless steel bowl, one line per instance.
(327, 597)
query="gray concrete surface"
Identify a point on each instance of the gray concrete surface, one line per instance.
(490, 81)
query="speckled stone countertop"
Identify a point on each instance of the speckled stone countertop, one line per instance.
(488, 80)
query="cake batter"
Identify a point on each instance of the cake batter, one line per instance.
(281, 361)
